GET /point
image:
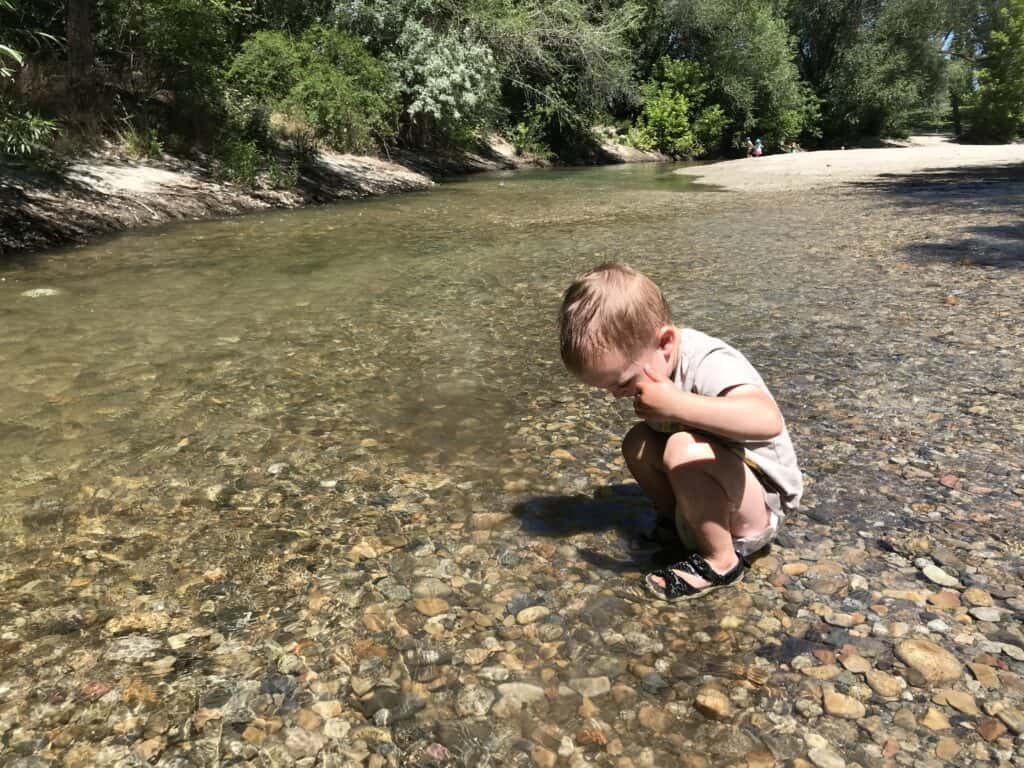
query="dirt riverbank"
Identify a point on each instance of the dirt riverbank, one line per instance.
(110, 192)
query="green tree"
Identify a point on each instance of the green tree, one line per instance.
(746, 48)
(876, 66)
(997, 112)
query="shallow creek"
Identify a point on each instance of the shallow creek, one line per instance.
(280, 488)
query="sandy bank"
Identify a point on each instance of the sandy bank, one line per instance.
(809, 170)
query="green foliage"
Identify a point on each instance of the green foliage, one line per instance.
(876, 67)
(142, 142)
(359, 73)
(325, 79)
(239, 160)
(997, 108)
(448, 82)
(708, 128)
(9, 55)
(267, 67)
(527, 136)
(246, 162)
(746, 49)
(667, 122)
(24, 134)
(565, 63)
(554, 67)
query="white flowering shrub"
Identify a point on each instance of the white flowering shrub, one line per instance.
(449, 82)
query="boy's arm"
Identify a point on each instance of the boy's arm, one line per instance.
(743, 413)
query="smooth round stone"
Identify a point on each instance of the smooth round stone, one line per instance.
(841, 705)
(431, 587)
(532, 614)
(516, 695)
(713, 703)
(986, 613)
(885, 685)
(431, 606)
(976, 596)
(934, 663)
(938, 576)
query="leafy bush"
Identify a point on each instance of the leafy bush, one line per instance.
(325, 79)
(24, 134)
(239, 160)
(708, 129)
(267, 67)
(528, 136)
(667, 123)
(448, 82)
(142, 142)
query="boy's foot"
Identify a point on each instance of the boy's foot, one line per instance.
(690, 578)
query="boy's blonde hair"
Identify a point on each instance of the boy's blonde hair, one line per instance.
(611, 307)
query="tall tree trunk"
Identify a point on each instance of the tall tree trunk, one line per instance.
(80, 40)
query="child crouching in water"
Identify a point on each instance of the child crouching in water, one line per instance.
(712, 451)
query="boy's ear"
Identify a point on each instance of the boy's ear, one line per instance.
(667, 340)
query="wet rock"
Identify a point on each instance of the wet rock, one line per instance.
(431, 587)
(977, 597)
(885, 685)
(985, 613)
(591, 687)
(822, 757)
(932, 662)
(959, 700)
(841, 705)
(654, 718)
(301, 743)
(532, 614)
(431, 606)
(515, 696)
(990, 728)
(934, 720)
(474, 701)
(938, 576)
(132, 648)
(711, 702)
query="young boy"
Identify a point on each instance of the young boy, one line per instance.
(712, 451)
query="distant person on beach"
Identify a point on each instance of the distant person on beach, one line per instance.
(758, 148)
(712, 451)
(750, 147)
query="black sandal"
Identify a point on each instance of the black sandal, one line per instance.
(677, 589)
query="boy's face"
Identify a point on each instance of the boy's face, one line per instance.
(619, 373)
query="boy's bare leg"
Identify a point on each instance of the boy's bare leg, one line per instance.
(716, 495)
(643, 448)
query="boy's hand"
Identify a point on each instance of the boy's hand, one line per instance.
(657, 397)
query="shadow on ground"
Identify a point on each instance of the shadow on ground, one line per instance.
(994, 188)
(623, 509)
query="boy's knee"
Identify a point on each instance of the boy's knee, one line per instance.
(685, 448)
(637, 442)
